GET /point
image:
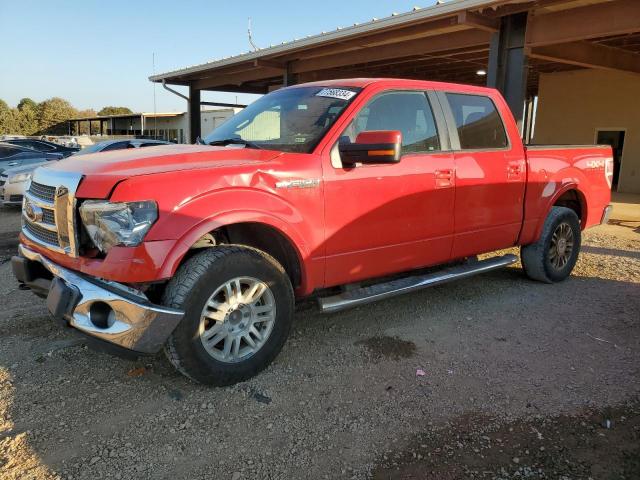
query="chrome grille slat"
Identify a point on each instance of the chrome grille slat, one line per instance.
(43, 192)
(42, 234)
(48, 216)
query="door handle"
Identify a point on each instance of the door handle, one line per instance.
(444, 178)
(12, 164)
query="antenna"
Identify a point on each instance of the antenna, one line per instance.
(253, 45)
(155, 116)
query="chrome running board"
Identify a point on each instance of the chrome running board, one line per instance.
(373, 293)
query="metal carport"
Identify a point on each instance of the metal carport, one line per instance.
(512, 40)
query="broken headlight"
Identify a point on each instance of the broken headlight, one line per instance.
(124, 223)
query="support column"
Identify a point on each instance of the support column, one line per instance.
(508, 64)
(194, 114)
(288, 78)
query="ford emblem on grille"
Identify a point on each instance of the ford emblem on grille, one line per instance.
(33, 212)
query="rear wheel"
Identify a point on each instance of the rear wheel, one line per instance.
(238, 305)
(552, 258)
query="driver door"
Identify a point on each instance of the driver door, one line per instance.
(387, 218)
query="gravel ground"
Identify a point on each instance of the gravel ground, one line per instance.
(521, 380)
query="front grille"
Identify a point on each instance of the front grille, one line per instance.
(43, 192)
(48, 216)
(50, 203)
(42, 234)
(15, 198)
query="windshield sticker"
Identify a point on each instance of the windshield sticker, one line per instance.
(336, 93)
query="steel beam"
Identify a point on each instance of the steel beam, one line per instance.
(508, 63)
(221, 104)
(439, 43)
(589, 55)
(618, 17)
(479, 21)
(194, 114)
(215, 80)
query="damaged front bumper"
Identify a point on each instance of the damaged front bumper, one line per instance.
(108, 311)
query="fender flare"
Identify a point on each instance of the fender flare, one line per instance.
(207, 225)
(554, 198)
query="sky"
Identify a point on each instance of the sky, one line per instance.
(98, 53)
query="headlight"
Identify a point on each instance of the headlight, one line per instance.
(21, 177)
(110, 224)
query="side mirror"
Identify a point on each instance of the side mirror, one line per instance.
(379, 146)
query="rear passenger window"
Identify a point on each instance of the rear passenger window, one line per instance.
(478, 122)
(408, 112)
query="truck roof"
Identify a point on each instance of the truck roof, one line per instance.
(397, 83)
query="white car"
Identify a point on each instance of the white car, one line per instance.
(13, 182)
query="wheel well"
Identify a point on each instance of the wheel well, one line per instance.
(265, 238)
(573, 200)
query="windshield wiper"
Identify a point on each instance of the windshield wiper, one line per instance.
(238, 141)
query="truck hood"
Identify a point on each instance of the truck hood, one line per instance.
(103, 170)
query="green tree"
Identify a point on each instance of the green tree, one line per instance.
(7, 119)
(114, 111)
(27, 117)
(27, 103)
(53, 113)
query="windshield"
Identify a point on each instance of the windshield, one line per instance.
(290, 120)
(96, 147)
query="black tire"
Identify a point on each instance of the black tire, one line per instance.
(194, 282)
(536, 258)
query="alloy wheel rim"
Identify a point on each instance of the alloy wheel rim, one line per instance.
(561, 246)
(237, 319)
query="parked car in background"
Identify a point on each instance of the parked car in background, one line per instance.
(17, 156)
(66, 141)
(13, 182)
(110, 145)
(10, 137)
(44, 146)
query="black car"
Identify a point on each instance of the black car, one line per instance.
(44, 146)
(121, 145)
(14, 156)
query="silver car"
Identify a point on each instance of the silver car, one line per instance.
(13, 182)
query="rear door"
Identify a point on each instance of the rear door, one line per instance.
(490, 174)
(382, 219)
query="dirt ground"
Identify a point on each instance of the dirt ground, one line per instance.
(521, 380)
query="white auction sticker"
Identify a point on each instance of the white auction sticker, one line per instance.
(336, 93)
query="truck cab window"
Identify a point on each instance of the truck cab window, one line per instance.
(478, 122)
(407, 111)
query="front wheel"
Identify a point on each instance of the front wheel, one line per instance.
(238, 304)
(552, 258)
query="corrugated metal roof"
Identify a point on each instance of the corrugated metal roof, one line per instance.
(417, 14)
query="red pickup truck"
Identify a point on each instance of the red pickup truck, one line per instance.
(351, 190)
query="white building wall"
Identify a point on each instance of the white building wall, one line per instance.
(212, 119)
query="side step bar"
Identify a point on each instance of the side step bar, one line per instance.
(373, 293)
